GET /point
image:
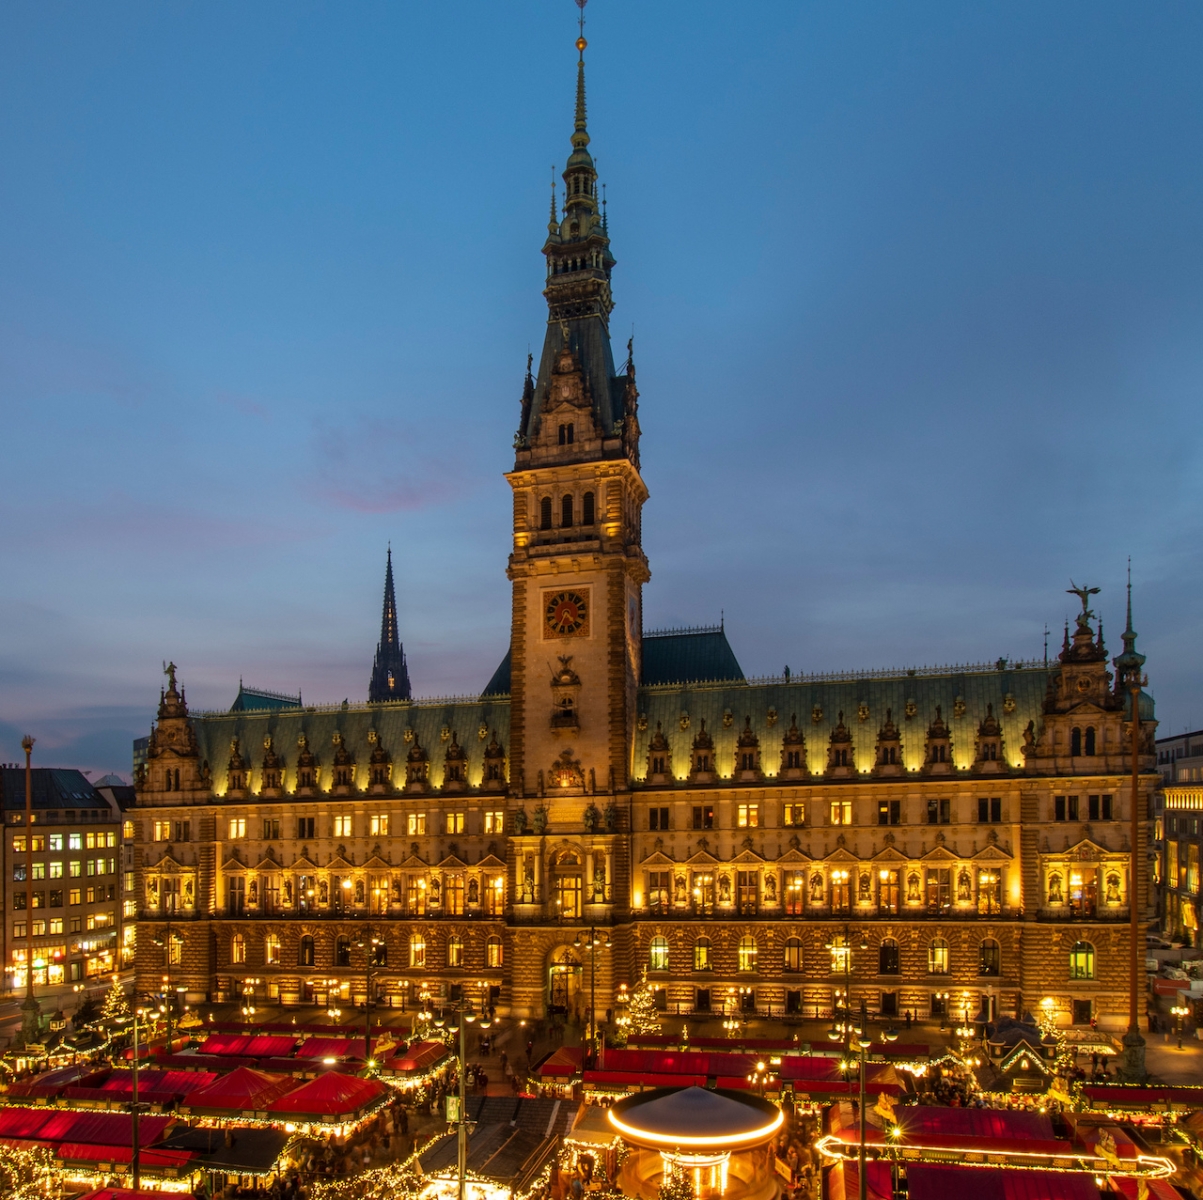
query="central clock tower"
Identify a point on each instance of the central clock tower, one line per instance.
(577, 565)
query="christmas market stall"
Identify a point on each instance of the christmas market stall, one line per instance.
(243, 1092)
(713, 1143)
(418, 1067)
(511, 1149)
(330, 1103)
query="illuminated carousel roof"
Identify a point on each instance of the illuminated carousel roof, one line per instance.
(695, 1117)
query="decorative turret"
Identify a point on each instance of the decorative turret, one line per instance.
(701, 756)
(841, 756)
(380, 765)
(793, 752)
(1129, 665)
(417, 768)
(344, 767)
(307, 768)
(889, 748)
(455, 766)
(988, 758)
(937, 757)
(494, 776)
(390, 677)
(172, 758)
(659, 760)
(237, 769)
(273, 768)
(747, 755)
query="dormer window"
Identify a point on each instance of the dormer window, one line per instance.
(566, 435)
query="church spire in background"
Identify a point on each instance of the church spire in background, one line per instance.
(390, 678)
(1128, 665)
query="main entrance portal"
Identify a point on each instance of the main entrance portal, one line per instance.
(563, 983)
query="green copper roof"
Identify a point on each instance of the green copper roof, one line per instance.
(255, 699)
(1016, 693)
(688, 656)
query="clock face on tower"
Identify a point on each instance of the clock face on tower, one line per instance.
(565, 614)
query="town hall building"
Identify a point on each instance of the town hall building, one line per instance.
(935, 842)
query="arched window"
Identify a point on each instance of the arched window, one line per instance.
(1081, 961)
(989, 958)
(658, 954)
(417, 950)
(792, 960)
(887, 957)
(305, 955)
(747, 953)
(588, 516)
(271, 949)
(493, 952)
(455, 951)
(545, 513)
(238, 949)
(1090, 739)
(1075, 742)
(342, 952)
(701, 954)
(937, 957)
(566, 512)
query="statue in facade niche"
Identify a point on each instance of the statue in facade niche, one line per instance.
(611, 817)
(592, 817)
(288, 891)
(520, 819)
(1054, 889)
(963, 886)
(323, 893)
(770, 887)
(680, 889)
(528, 882)
(473, 891)
(434, 890)
(724, 889)
(1112, 896)
(539, 821)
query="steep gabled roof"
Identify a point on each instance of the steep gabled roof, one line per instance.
(688, 656)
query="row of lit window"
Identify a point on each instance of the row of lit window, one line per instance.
(95, 895)
(55, 925)
(38, 843)
(307, 951)
(343, 825)
(1081, 957)
(75, 869)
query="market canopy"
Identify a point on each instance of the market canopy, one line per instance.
(421, 1056)
(330, 1097)
(325, 1047)
(242, 1090)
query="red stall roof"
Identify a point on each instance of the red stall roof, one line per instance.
(566, 1061)
(327, 1047)
(88, 1152)
(954, 1183)
(330, 1095)
(1127, 1096)
(270, 1046)
(632, 1079)
(225, 1043)
(1159, 1189)
(61, 1125)
(420, 1056)
(843, 1181)
(244, 1089)
(51, 1083)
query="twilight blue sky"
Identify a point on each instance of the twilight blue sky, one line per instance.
(917, 293)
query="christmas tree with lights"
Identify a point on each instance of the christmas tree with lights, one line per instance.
(116, 1006)
(642, 1010)
(677, 1184)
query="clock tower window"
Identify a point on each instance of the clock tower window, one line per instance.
(566, 512)
(545, 513)
(566, 435)
(587, 505)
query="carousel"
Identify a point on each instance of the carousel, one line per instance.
(721, 1140)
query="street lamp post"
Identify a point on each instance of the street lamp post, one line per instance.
(593, 944)
(463, 1010)
(841, 1030)
(862, 1047)
(248, 999)
(368, 941)
(165, 942)
(31, 1022)
(1180, 1011)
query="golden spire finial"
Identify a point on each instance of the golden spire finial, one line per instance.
(580, 41)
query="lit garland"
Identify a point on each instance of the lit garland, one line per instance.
(26, 1174)
(1148, 1166)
